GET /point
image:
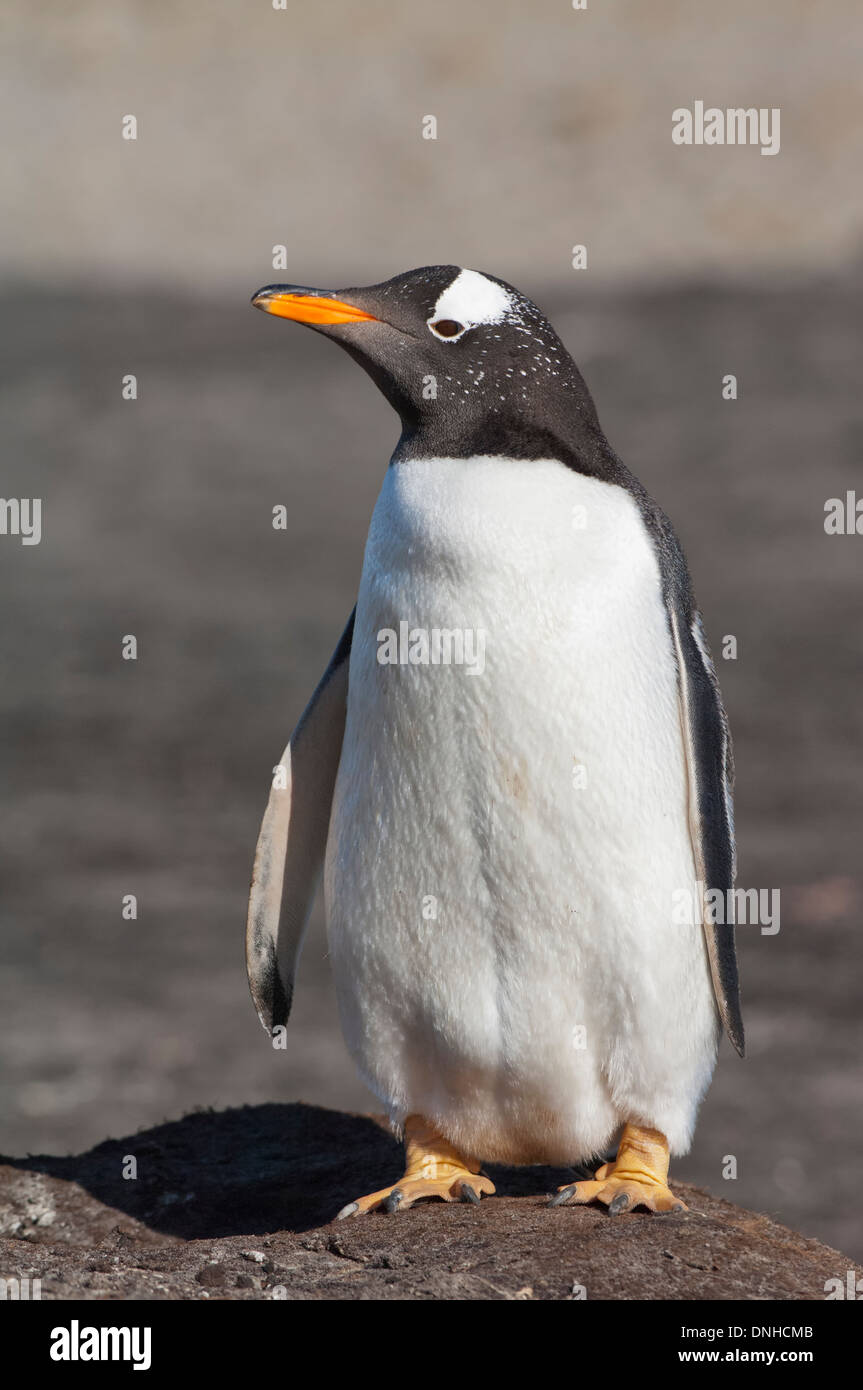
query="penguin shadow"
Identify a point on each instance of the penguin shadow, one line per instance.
(253, 1170)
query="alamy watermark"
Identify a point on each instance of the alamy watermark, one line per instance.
(21, 516)
(436, 646)
(731, 125)
(844, 515)
(758, 907)
(16, 1289)
(77, 1343)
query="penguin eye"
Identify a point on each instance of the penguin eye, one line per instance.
(447, 328)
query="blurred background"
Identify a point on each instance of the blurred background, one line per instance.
(303, 128)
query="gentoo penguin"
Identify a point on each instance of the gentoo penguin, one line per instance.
(513, 772)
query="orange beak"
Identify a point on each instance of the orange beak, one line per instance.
(308, 308)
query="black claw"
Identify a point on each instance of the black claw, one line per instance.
(393, 1202)
(619, 1204)
(469, 1194)
(558, 1198)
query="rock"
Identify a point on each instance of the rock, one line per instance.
(279, 1173)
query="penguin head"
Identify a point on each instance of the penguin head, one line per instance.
(460, 355)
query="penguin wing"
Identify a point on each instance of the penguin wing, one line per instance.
(293, 838)
(711, 816)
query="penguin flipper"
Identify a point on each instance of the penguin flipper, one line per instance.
(711, 816)
(292, 841)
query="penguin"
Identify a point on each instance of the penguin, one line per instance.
(513, 776)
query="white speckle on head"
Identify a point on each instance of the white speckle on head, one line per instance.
(472, 298)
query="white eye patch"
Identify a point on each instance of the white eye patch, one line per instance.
(471, 299)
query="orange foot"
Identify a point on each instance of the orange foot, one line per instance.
(433, 1168)
(636, 1178)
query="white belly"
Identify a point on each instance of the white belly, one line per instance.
(506, 842)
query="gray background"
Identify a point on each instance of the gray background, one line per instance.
(303, 128)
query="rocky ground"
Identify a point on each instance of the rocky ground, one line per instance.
(239, 1205)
